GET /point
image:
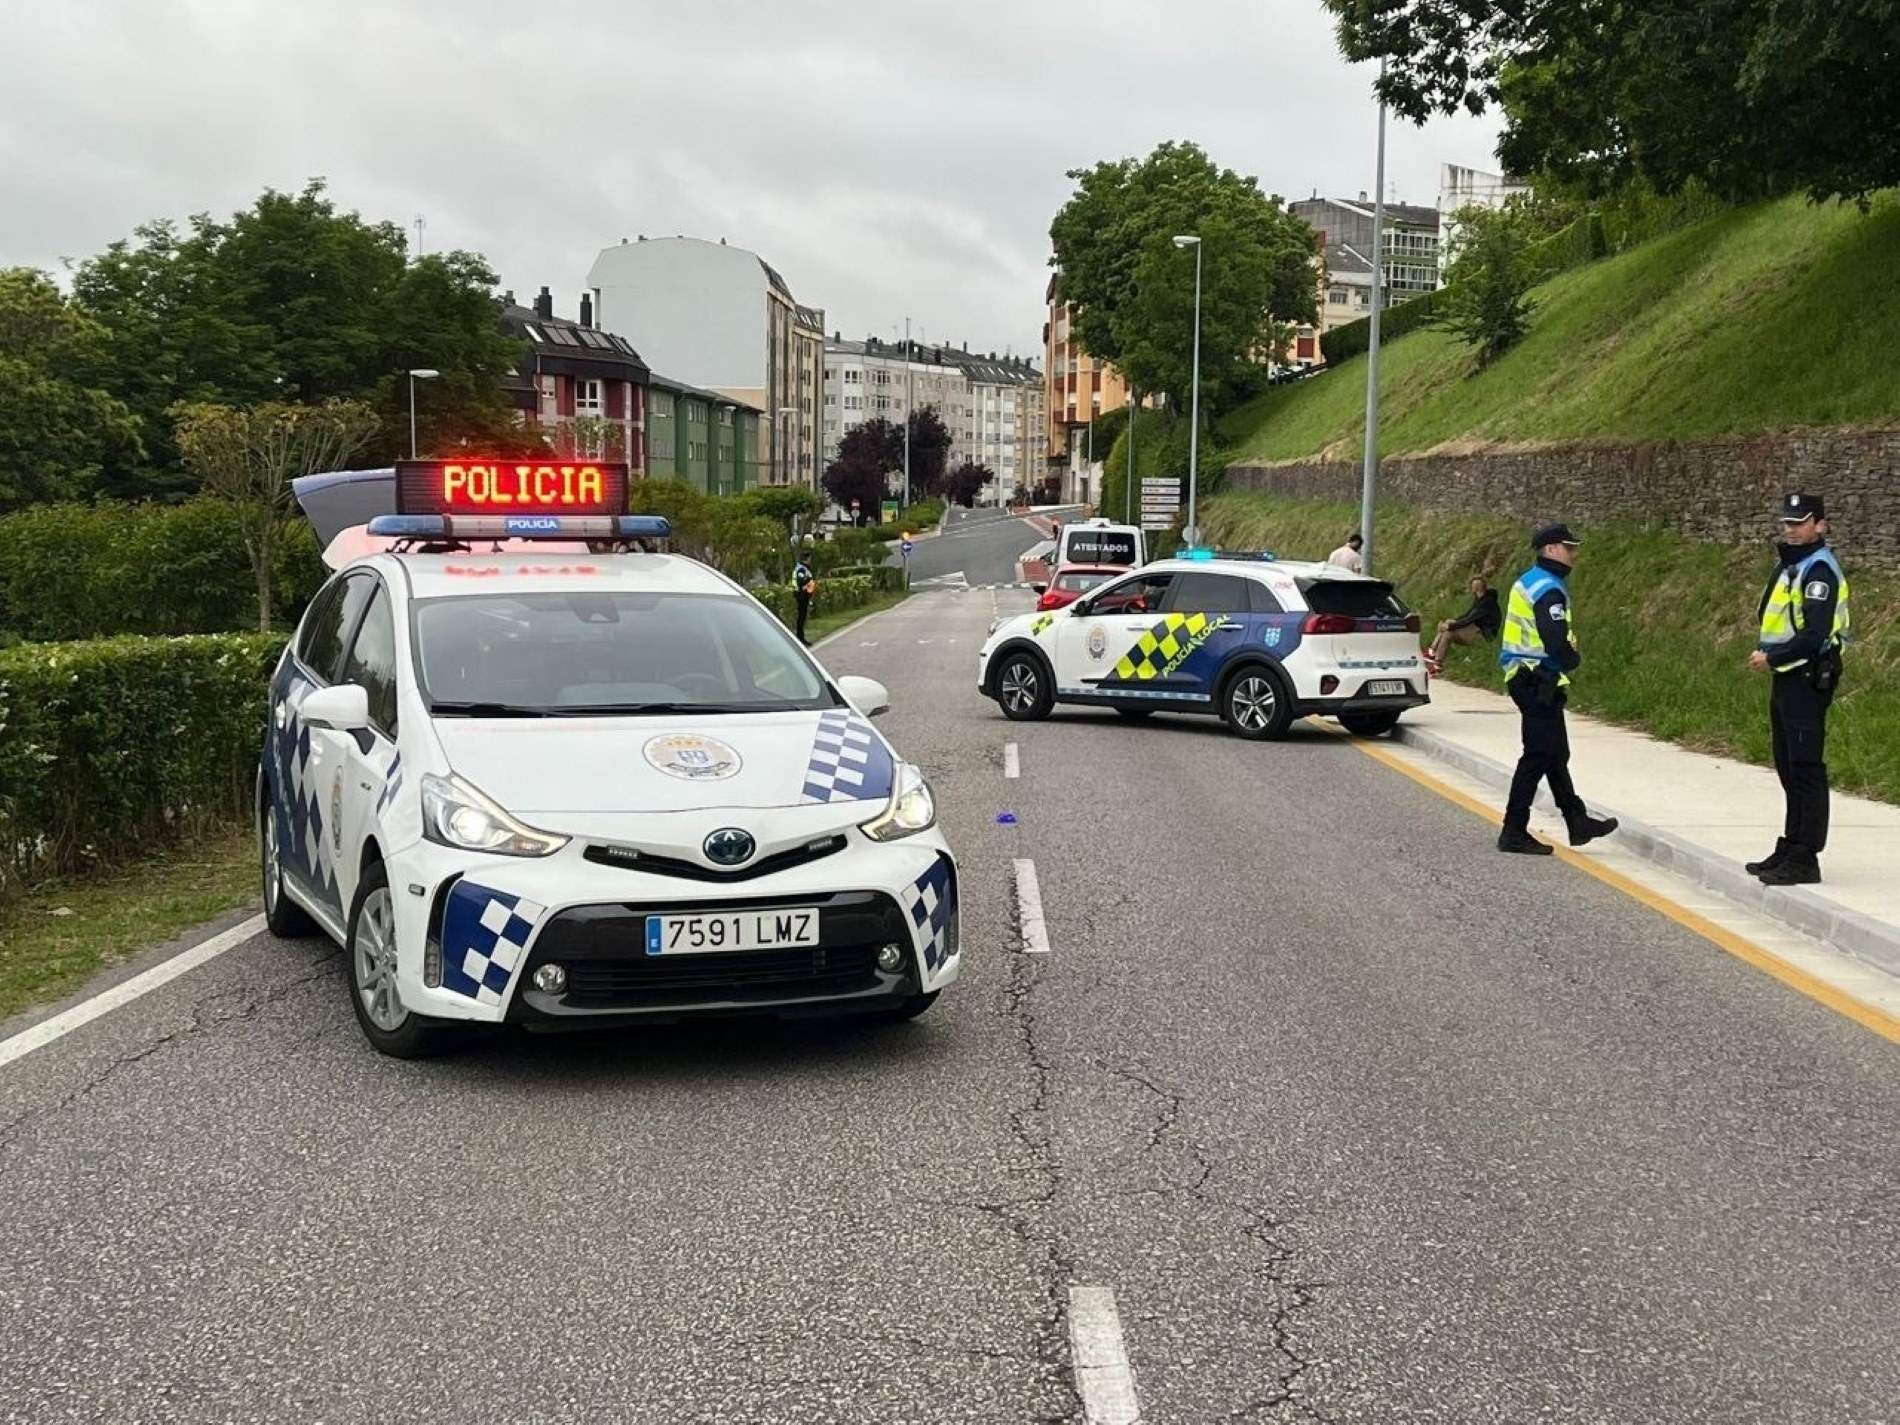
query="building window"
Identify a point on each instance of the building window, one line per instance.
(587, 400)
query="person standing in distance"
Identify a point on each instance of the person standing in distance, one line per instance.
(804, 589)
(1539, 654)
(1804, 622)
(1347, 555)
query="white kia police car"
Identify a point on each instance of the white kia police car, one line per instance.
(1255, 640)
(573, 782)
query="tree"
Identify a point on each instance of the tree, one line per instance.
(1484, 301)
(1131, 289)
(1748, 96)
(929, 453)
(291, 300)
(249, 455)
(866, 456)
(787, 504)
(57, 430)
(966, 482)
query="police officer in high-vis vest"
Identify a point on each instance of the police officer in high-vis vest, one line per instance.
(1804, 622)
(1538, 655)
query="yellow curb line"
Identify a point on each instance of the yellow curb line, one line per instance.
(1816, 989)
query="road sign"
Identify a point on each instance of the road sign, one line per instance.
(906, 546)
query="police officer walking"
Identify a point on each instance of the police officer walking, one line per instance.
(1804, 622)
(1539, 654)
(804, 587)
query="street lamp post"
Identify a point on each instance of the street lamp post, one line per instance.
(1371, 476)
(419, 373)
(1191, 531)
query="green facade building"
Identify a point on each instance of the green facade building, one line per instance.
(706, 439)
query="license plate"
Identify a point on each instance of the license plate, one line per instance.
(1387, 687)
(732, 930)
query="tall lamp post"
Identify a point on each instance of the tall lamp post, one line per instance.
(1191, 531)
(419, 373)
(1371, 476)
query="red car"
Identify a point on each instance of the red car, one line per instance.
(1071, 582)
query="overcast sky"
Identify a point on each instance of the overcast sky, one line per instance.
(888, 156)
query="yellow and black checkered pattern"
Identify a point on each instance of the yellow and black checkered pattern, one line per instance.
(1039, 624)
(1162, 647)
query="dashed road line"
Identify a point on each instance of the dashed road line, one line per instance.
(1029, 908)
(1103, 1377)
(1012, 761)
(83, 1013)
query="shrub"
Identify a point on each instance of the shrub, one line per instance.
(86, 571)
(834, 594)
(924, 514)
(115, 747)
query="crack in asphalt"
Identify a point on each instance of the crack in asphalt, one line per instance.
(203, 1019)
(1259, 1227)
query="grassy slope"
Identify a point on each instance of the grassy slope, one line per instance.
(1665, 623)
(1762, 318)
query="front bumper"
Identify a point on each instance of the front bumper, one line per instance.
(471, 929)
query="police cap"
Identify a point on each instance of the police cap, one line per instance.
(1554, 534)
(1799, 507)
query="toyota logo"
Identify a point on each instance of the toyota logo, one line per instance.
(729, 846)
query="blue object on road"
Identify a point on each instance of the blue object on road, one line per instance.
(1006, 818)
(906, 546)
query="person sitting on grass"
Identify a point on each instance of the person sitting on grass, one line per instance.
(1477, 624)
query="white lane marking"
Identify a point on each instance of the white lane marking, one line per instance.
(64, 1023)
(868, 643)
(1029, 908)
(1012, 762)
(1103, 1376)
(923, 640)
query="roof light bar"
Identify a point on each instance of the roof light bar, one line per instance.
(521, 527)
(1201, 554)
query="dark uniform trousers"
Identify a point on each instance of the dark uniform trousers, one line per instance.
(803, 602)
(1546, 757)
(1797, 716)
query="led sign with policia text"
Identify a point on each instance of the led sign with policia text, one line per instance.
(497, 487)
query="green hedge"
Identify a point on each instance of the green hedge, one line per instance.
(86, 571)
(115, 747)
(1354, 337)
(833, 594)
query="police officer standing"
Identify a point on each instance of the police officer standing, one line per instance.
(1804, 621)
(1538, 654)
(804, 587)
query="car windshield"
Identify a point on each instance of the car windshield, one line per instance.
(570, 654)
(1080, 582)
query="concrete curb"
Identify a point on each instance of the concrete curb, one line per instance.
(1871, 941)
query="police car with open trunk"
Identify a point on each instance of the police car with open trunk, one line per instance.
(525, 769)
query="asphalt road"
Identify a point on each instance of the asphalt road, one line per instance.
(980, 545)
(1357, 1120)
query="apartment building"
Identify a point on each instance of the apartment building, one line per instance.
(723, 319)
(1002, 390)
(1412, 247)
(1459, 188)
(1076, 389)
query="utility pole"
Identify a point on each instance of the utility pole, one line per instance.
(1128, 491)
(1192, 531)
(907, 400)
(1371, 478)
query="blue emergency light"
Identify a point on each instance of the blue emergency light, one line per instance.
(1200, 554)
(567, 527)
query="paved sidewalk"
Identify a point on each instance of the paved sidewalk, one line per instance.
(1699, 815)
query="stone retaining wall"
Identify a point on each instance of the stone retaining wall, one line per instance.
(1711, 489)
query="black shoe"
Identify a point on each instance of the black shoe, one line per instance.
(1798, 868)
(1771, 860)
(1521, 842)
(1585, 828)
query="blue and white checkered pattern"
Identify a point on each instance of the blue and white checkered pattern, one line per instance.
(485, 936)
(297, 800)
(931, 903)
(849, 762)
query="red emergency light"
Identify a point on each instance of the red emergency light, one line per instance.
(502, 487)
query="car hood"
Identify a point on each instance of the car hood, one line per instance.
(667, 764)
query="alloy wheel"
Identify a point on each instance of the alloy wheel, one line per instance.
(1019, 686)
(1253, 703)
(374, 961)
(273, 870)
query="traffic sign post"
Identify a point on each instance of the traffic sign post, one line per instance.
(1160, 501)
(904, 549)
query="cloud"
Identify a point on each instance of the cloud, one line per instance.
(889, 160)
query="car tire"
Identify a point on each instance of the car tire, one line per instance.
(1256, 703)
(1023, 688)
(285, 918)
(370, 976)
(1372, 724)
(908, 1010)
(1135, 714)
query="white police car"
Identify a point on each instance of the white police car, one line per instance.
(1255, 640)
(571, 784)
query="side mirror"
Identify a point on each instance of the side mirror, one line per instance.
(1082, 608)
(867, 695)
(1040, 588)
(343, 708)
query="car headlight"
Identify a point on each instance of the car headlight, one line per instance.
(456, 814)
(910, 810)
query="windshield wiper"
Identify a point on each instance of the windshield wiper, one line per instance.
(644, 709)
(484, 710)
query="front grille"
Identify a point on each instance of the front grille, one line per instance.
(603, 950)
(629, 858)
(735, 975)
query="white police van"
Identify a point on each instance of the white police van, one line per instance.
(524, 770)
(1253, 640)
(1100, 543)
